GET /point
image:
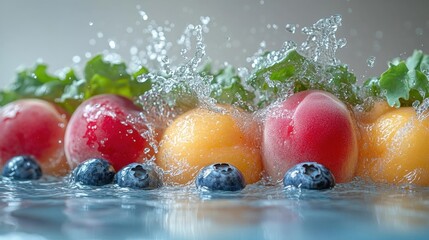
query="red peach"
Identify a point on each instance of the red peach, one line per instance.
(310, 126)
(34, 127)
(107, 126)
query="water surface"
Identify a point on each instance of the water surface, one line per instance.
(54, 209)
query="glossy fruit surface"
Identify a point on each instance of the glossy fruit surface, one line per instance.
(36, 128)
(310, 126)
(220, 177)
(109, 127)
(138, 176)
(309, 175)
(394, 149)
(201, 137)
(93, 172)
(22, 168)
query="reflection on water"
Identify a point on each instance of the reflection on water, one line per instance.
(51, 209)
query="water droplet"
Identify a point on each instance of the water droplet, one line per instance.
(92, 42)
(205, 20)
(143, 78)
(76, 59)
(134, 50)
(342, 42)
(262, 2)
(100, 35)
(143, 15)
(88, 55)
(291, 27)
(91, 23)
(371, 61)
(112, 44)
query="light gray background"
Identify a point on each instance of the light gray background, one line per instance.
(56, 30)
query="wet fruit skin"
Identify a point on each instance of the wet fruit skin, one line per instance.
(393, 146)
(93, 172)
(101, 128)
(22, 168)
(138, 176)
(220, 177)
(201, 137)
(310, 126)
(34, 127)
(309, 175)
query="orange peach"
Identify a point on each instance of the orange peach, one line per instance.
(201, 137)
(393, 147)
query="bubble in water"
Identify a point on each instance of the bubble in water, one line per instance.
(291, 27)
(370, 61)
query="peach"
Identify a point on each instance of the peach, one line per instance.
(34, 127)
(201, 137)
(107, 126)
(310, 126)
(393, 147)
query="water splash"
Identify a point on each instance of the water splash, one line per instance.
(322, 44)
(176, 90)
(370, 61)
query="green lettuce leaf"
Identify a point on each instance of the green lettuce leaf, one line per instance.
(68, 91)
(404, 82)
(228, 88)
(297, 73)
(37, 83)
(105, 77)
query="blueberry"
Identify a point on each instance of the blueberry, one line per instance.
(138, 176)
(309, 175)
(220, 177)
(22, 168)
(93, 172)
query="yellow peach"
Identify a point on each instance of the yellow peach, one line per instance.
(201, 137)
(394, 149)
